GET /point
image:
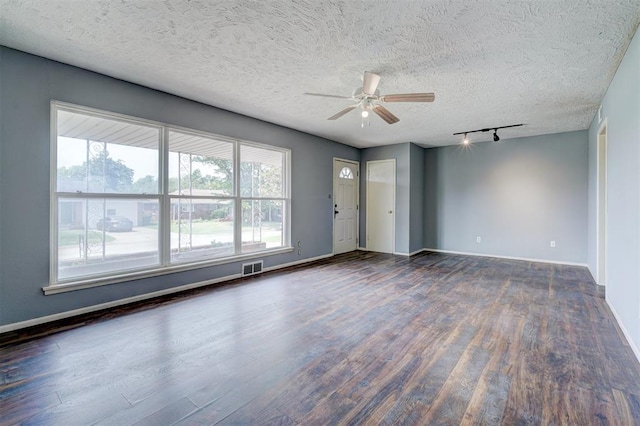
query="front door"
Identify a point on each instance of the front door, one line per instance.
(345, 206)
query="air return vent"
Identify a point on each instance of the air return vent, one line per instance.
(251, 268)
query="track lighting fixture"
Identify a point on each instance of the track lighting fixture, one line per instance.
(496, 138)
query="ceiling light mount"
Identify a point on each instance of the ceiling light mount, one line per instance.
(496, 138)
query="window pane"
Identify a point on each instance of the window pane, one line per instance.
(199, 166)
(346, 173)
(262, 222)
(106, 156)
(201, 229)
(261, 172)
(97, 236)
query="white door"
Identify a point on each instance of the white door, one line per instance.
(381, 201)
(345, 206)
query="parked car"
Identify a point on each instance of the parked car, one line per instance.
(115, 223)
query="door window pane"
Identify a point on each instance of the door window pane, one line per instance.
(346, 173)
(92, 241)
(261, 172)
(101, 155)
(201, 229)
(262, 222)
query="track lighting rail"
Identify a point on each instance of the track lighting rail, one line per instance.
(496, 138)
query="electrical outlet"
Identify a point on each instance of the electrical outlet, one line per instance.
(552, 244)
(478, 240)
(299, 252)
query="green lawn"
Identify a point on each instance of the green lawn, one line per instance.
(71, 238)
(212, 227)
(206, 227)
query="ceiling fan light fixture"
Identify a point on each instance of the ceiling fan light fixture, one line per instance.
(365, 113)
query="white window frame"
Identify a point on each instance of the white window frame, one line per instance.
(164, 199)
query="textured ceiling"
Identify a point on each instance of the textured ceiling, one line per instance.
(490, 63)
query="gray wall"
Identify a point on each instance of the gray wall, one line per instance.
(517, 195)
(400, 153)
(28, 83)
(416, 188)
(621, 108)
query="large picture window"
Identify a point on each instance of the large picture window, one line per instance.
(131, 197)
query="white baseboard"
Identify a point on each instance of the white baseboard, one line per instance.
(88, 309)
(413, 253)
(633, 346)
(593, 275)
(528, 259)
(595, 279)
(396, 253)
(297, 262)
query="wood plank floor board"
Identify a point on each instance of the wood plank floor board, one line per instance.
(628, 406)
(453, 398)
(19, 408)
(81, 411)
(487, 404)
(359, 338)
(169, 414)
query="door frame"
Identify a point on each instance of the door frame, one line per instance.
(601, 203)
(333, 196)
(393, 224)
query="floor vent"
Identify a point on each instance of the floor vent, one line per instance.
(251, 268)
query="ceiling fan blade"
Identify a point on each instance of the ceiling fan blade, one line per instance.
(370, 83)
(328, 96)
(385, 114)
(409, 97)
(341, 113)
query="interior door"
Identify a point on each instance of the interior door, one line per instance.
(345, 207)
(381, 201)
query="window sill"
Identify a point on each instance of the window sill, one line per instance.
(114, 279)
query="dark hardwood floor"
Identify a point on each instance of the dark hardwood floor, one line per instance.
(360, 338)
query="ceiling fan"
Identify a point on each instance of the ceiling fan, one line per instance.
(368, 99)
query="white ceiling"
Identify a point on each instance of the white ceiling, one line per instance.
(490, 63)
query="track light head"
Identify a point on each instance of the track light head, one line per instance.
(465, 140)
(496, 138)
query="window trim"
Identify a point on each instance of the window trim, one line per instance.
(165, 266)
